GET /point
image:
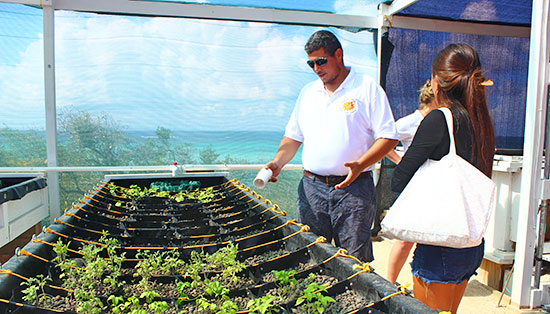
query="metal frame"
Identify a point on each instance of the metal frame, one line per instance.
(460, 27)
(51, 116)
(217, 12)
(531, 182)
(184, 168)
(148, 8)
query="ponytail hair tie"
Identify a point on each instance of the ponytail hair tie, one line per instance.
(487, 83)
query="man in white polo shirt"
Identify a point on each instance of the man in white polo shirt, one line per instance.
(345, 123)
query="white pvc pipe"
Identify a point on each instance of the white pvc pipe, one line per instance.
(218, 167)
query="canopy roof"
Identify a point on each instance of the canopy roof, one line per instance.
(364, 7)
(502, 11)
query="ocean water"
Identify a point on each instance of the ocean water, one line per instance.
(250, 147)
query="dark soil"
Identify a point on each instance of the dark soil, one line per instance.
(192, 308)
(258, 259)
(293, 292)
(301, 267)
(346, 302)
(166, 290)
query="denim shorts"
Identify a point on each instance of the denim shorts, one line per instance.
(444, 264)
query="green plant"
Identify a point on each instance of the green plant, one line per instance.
(215, 288)
(149, 295)
(182, 288)
(202, 195)
(313, 299)
(134, 191)
(113, 266)
(158, 306)
(228, 307)
(134, 306)
(92, 305)
(117, 304)
(34, 286)
(285, 277)
(113, 188)
(263, 305)
(172, 263)
(209, 307)
(225, 259)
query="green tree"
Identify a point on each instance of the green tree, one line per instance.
(208, 155)
(22, 148)
(91, 140)
(163, 135)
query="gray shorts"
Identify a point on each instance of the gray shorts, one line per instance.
(344, 215)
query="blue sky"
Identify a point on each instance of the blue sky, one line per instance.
(182, 74)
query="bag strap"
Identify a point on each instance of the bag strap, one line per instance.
(449, 118)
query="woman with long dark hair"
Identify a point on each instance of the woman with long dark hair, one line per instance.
(441, 274)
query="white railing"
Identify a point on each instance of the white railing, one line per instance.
(183, 168)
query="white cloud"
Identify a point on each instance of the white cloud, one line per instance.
(133, 67)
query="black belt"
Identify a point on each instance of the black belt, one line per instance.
(333, 180)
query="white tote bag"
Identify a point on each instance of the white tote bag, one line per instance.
(446, 202)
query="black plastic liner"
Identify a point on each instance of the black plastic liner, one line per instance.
(135, 231)
(14, 188)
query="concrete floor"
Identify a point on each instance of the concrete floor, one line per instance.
(478, 297)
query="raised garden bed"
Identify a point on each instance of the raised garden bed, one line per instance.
(23, 205)
(219, 248)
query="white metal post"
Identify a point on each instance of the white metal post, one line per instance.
(49, 93)
(535, 118)
(382, 28)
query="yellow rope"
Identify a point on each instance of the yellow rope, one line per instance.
(319, 240)
(37, 240)
(344, 253)
(390, 20)
(71, 215)
(267, 209)
(96, 194)
(99, 223)
(236, 188)
(255, 198)
(76, 239)
(242, 189)
(401, 290)
(9, 272)
(228, 182)
(78, 207)
(21, 304)
(271, 242)
(26, 253)
(262, 203)
(73, 226)
(364, 268)
(247, 190)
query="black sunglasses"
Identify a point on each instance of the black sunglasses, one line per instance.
(319, 61)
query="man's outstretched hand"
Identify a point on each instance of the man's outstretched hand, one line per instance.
(354, 171)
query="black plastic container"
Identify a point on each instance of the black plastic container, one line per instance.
(239, 215)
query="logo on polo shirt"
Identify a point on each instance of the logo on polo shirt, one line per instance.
(349, 106)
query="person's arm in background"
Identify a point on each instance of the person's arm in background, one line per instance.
(429, 135)
(394, 156)
(379, 149)
(287, 150)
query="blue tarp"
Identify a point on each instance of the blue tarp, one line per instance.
(493, 11)
(504, 59)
